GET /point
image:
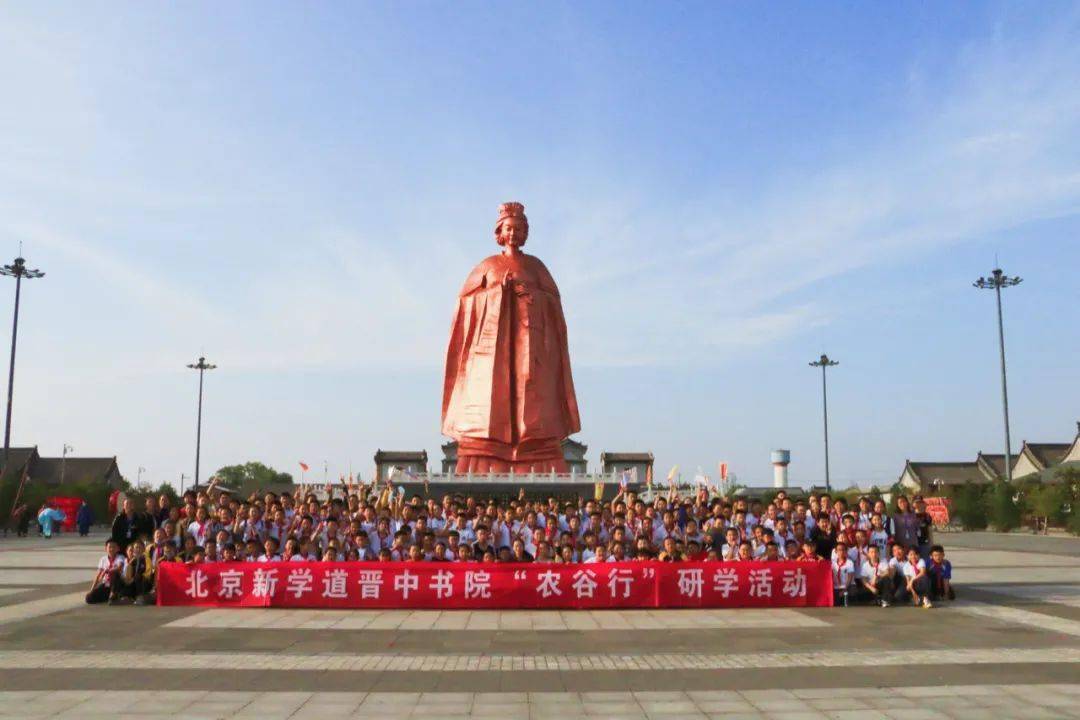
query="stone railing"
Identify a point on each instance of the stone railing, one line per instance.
(572, 478)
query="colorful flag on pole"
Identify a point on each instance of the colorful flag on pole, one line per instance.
(673, 474)
(304, 466)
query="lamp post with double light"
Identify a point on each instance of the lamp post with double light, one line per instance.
(825, 363)
(996, 281)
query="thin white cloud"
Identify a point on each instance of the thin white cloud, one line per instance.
(995, 150)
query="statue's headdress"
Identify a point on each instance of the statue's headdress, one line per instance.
(512, 209)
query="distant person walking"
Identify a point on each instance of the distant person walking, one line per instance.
(21, 517)
(84, 518)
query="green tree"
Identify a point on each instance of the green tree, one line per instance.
(1048, 500)
(1069, 479)
(1004, 504)
(969, 504)
(251, 477)
(168, 490)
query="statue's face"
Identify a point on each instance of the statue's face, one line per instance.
(512, 232)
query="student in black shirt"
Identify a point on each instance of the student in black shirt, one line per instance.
(823, 536)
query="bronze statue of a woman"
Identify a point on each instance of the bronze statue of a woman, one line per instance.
(508, 395)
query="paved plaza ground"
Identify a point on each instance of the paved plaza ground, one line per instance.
(1009, 647)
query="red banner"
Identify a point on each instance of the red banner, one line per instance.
(69, 506)
(503, 586)
(938, 509)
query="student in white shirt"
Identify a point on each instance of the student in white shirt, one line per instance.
(782, 532)
(876, 578)
(466, 533)
(618, 553)
(878, 534)
(109, 568)
(730, 549)
(271, 551)
(843, 570)
(591, 553)
(915, 583)
(199, 528)
(382, 537)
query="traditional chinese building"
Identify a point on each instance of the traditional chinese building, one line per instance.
(926, 476)
(409, 461)
(1037, 457)
(574, 453)
(992, 465)
(1073, 456)
(60, 470)
(1033, 461)
(619, 462)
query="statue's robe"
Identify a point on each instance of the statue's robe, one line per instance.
(508, 395)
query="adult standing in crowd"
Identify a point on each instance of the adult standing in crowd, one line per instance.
(125, 525)
(148, 521)
(924, 528)
(164, 508)
(905, 525)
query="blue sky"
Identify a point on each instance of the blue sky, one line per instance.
(722, 190)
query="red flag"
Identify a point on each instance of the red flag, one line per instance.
(304, 466)
(723, 471)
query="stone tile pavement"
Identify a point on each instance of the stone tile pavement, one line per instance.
(408, 663)
(945, 702)
(1009, 648)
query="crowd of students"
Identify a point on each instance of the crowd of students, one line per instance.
(878, 555)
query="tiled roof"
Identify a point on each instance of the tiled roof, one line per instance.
(17, 459)
(574, 443)
(610, 457)
(75, 469)
(996, 462)
(949, 473)
(400, 455)
(1048, 454)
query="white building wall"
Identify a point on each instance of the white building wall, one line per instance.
(1024, 467)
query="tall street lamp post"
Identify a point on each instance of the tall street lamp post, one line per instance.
(995, 282)
(824, 363)
(17, 270)
(63, 461)
(202, 366)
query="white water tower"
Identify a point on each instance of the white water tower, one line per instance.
(780, 460)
